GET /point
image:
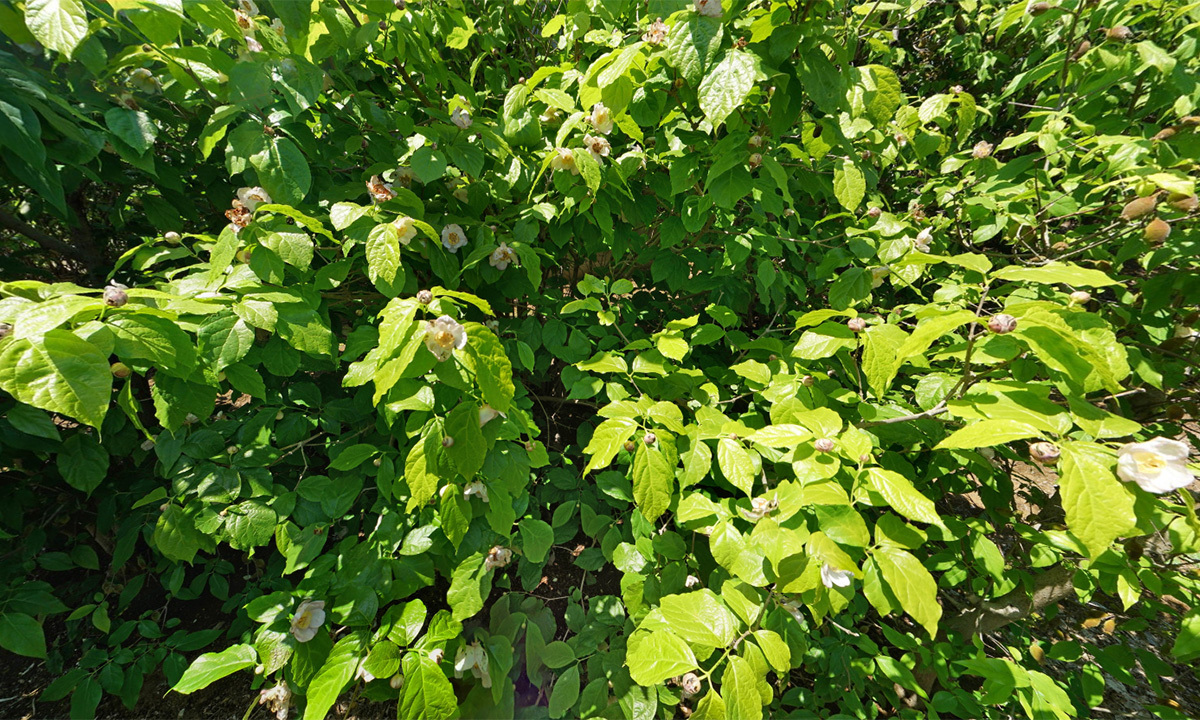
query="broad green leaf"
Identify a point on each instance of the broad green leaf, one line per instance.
(21, 634)
(282, 170)
(781, 436)
(653, 481)
(469, 448)
(536, 538)
(493, 369)
(565, 692)
(911, 584)
(899, 492)
(700, 618)
(469, 585)
(249, 524)
(58, 24)
(692, 45)
(1055, 272)
(607, 441)
(225, 339)
(726, 86)
(83, 462)
(1099, 508)
(736, 465)
(335, 674)
(210, 667)
(659, 656)
(849, 185)
(989, 433)
(383, 258)
(775, 650)
(60, 373)
(133, 127)
(428, 694)
(155, 339)
(739, 683)
(710, 707)
(353, 456)
(420, 470)
(1187, 643)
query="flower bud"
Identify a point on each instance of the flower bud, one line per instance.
(650, 438)
(5, 330)
(807, 381)
(1046, 453)
(1002, 323)
(1157, 231)
(629, 446)
(397, 680)
(258, 670)
(874, 212)
(447, 441)
(856, 324)
(172, 237)
(864, 458)
(1138, 207)
(690, 683)
(231, 450)
(120, 370)
(424, 297)
(377, 462)
(1119, 33)
(1080, 297)
(824, 445)
(1038, 8)
(115, 296)
(755, 160)
(278, 416)
(1184, 203)
(529, 446)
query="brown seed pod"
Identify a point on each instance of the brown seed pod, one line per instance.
(629, 446)
(1184, 203)
(1157, 231)
(1164, 134)
(1138, 207)
(1083, 48)
(1119, 33)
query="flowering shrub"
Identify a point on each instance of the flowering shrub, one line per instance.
(812, 343)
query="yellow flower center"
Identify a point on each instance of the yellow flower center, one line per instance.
(303, 621)
(1149, 462)
(453, 238)
(445, 338)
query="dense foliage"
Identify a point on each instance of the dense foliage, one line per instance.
(599, 358)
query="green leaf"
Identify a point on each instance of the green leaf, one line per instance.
(739, 682)
(1099, 508)
(849, 186)
(469, 585)
(60, 373)
(700, 618)
(1187, 643)
(353, 456)
(282, 170)
(691, 46)
(653, 481)
(428, 694)
(420, 470)
(58, 24)
(989, 433)
(565, 693)
(736, 465)
(343, 214)
(774, 649)
(899, 492)
(211, 667)
(334, 675)
(493, 369)
(710, 707)
(536, 538)
(912, 585)
(383, 259)
(249, 525)
(659, 656)
(469, 448)
(133, 127)
(1055, 272)
(607, 441)
(726, 86)
(21, 634)
(155, 339)
(225, 338)
(83, 463)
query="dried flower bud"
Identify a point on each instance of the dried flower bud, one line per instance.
(690, 684)
(1044, 452)
(448, 441)
(120, 370)
(424, 297)
(629, 446)
(1184, 203)
(1002, 323)
(1081, 49)
(1038, 8)
(1164, 134)
(1119, 33)
(856, 324)
(115, 296)
(874, 212)
(1080, 297)
(824, 445)
(1138, 207)
(1157, 231)
(650, 438)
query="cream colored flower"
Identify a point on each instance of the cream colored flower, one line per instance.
(277, 26)
(691, 581)
(598, 146)
(473, 657)
(461, 118)
(443, 336)
(564, 159)
(657, 32)
(487, 413)
(711, 8)
(878, 275)
(922, 242)
(833, 577)
(475, 487)
(453, 238)
(550, 114)
(1158, 465)
(982, 149)
(407, 229)
(278, 700)
(308, 619)
(404, 175)
(243, 20)
(248, 7)
(144, 80)
(379, 190)
(497, 557)
(502, 257)
(601, 118)
(253, 45)
(759, 508)
(437, 654)
(252, 197)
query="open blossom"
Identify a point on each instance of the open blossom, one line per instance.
(982, 149)
(922, 241)
(550, 115)
(564, 159)
(278, 700)
(1158, 465)
(404, 175)
(487, 413)
(475, 487)
(277, 26)
(248, 7)
(461, 118)
(406, 228)
(502, 257)
(601, 118)
(252, 44)
(759, 508)
(656, 33)
(833, 577)
(598, 146)
(379, 190)
(308, 619)
(497, 557)
(878, 275)
(473, 657)
(243, 20)
(691, 581)
(711, 8)
(443, 336)
(453, 238)
(252, 197)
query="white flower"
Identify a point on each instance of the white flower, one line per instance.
(307, 620)
(657, 32)
(243, 20)
(760, 507)
(878, 274)
(831, 576)
(1158, 465)
(252, 44)
(278, 700)
(248, 7)
(564, 159)
(453, 238)
(404, 175)
(982, 149)
(474, 658)
(497, 557)
(601, 118)
(487, 413)
(550, 114)
(475, 487)
(437, 654)
(691, 581)
(922, 241)
(598, 146)
(502, 257)
(363, 675)
(461, 118)
(144, 80)
(443, 336)
(406, 228)
(711, 8)
(277, 26)
(252, 197)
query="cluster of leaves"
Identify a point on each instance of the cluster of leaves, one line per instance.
(600, 358)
